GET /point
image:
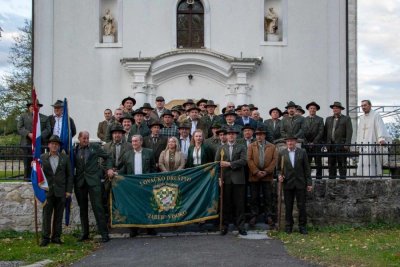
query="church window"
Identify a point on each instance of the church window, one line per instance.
(190, 24)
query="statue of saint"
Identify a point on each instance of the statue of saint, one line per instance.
(108, 24)
(271, 21)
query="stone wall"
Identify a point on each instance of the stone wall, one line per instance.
(352, 201)
(17, 208)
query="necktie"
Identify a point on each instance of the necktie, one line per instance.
(117, 153)
(274, 124)
(184, 145)
(261, 156)
(333, 128)
(230, 152)
(154, 140)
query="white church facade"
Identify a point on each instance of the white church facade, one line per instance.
(264, 52)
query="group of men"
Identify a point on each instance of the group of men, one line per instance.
(134, 139)
(335, 134)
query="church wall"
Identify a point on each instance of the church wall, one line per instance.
(181, 86)
(310, 67)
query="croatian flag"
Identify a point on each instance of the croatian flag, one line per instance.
(39, 181)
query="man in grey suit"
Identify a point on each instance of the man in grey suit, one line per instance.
(294, 172)
(138, 160)
(233, 162)
(313, 135)
(24, 127)
(274, 124)
(292, 125)
(103, 125)
(338, 133)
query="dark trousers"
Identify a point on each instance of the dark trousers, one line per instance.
(290, 195)
(27, 163)
(317, 159)
(105, 192)
(234, 205)
(54, 205)
(83, 194)
(339, 161)
(264, 187)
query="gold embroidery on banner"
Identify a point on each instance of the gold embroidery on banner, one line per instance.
(116, 180)
(213, 208)
(118, 217)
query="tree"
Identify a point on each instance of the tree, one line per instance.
(17, 92)
(394, 127)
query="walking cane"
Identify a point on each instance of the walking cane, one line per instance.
(280, 196)
(221, 195)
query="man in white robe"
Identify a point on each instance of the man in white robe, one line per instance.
(371, 130)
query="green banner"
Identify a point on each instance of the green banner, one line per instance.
(165, 199)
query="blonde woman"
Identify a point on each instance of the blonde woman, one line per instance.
(171, 158)
(198, 153)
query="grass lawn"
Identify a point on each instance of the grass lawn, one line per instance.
(16, 246)
(375, 245)
(8, 174)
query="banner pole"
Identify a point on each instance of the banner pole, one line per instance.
(280, 196)
(221, 202)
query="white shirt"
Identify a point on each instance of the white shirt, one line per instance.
(138, 162)
(57, 125)
(160, 112)
(291, 156)
(194, 125)
(185, 143)
(196, 156)
(54, 162)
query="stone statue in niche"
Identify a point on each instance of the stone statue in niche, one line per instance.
(271, 21)
(271, 26)
(108, 27)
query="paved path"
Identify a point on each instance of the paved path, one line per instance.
(191, 250)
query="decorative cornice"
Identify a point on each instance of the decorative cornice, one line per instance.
(200, 62)
(208, 52)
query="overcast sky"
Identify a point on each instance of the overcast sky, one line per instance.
(378, 45)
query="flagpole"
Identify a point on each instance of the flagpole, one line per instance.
(68, 150)
(36, 221)
(221, 201)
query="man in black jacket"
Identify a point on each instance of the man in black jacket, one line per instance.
(313, 127)
(57, 169)
(294, 172)
(338, 133)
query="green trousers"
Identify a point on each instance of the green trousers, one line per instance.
(83, 194)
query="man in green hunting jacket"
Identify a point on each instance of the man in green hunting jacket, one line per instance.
(88, 175)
